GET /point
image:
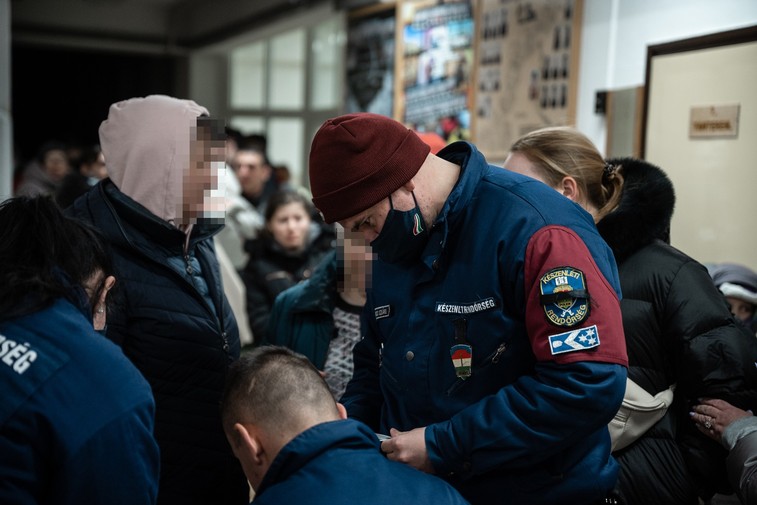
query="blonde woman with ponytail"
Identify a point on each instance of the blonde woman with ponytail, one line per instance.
(679, 332)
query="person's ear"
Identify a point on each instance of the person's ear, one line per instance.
(99, 318)
(569, 188)
(409, 185)
(246, 444)
(342, 410)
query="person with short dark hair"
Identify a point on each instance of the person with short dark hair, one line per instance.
(297, 447)
(76, 417)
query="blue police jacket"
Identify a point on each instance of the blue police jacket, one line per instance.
(504, 340)
(339, 463)
(76, 417)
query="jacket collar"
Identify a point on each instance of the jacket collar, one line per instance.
(319, 291)
(313, 442)
(125, 221)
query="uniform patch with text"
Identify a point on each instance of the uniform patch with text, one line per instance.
(564, 296)
(576, 340)
(382, 312)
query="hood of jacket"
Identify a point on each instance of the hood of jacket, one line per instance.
(645, 209)
(146, 144)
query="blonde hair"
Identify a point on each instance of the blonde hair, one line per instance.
(558, 152)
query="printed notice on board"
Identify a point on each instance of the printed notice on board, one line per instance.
(714, 121)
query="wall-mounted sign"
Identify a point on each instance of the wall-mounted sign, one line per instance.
(714, 121)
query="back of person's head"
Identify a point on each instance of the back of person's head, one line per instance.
(43, 254)
(559, 152)
(645, 209)
(276, 389)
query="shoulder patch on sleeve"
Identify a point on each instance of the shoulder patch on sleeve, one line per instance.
(580, 339)
(564, 296)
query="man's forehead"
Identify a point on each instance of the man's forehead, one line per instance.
(242, 154)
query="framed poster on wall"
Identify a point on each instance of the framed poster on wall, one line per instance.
(526, 69)
(370, 60)
(437, 54)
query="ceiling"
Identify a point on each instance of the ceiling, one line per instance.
(147, 25)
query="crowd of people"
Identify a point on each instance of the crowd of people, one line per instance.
(180, 322)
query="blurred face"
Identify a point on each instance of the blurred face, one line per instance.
(356, 259)
(290, 225)
(517, 162)
(252, 172)
(56, 164)
(741, 309)
(206, 159)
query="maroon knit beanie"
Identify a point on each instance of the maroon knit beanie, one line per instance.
(357, 160)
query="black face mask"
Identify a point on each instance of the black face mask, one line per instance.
(403, 236)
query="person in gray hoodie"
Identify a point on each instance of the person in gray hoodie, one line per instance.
(173, 320)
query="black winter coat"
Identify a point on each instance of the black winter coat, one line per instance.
(271, 270)
(181, 345)
(678, 331)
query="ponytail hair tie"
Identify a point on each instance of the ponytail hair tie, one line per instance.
(609, 170)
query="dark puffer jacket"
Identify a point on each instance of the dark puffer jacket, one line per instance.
(180, 343)
(678, 331)
(271, 270)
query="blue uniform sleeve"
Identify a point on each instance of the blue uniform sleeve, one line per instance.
(529, 421)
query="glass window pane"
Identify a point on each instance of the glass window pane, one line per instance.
(285, 141)
(287, 70)
(248, 124)
(326, 64)
(248, 76)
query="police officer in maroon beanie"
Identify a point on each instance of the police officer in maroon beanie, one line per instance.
(493, 352)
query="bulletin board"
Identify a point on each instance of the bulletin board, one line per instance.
(526, 69)
(434, 71)
(370, 60)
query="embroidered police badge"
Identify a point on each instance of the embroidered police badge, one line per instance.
(564, 296)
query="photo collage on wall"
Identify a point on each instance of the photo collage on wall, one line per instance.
(370, 63)
(437, 63)
(524, 81)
